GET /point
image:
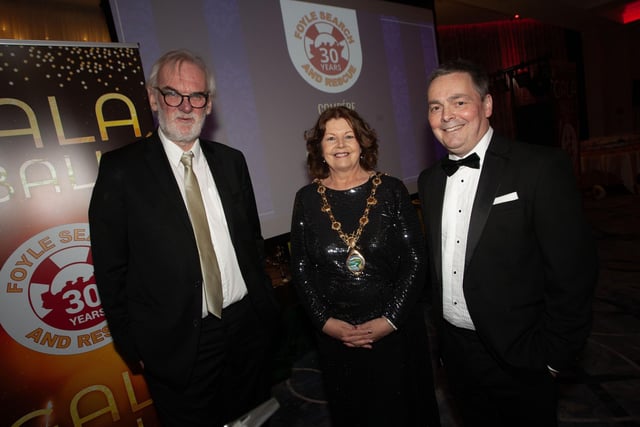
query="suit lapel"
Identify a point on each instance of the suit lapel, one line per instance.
(436, 191)
(157, 162)
(492, 170)
(217, 167)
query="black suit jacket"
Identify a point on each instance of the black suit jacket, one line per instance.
(530, 266)
(145, 256)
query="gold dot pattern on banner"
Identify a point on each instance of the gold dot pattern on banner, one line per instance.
(68, 65)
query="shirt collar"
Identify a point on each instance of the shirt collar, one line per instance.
(174, 152)
(481, 147)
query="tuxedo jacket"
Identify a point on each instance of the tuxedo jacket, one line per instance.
(530, 263)
(145, 256)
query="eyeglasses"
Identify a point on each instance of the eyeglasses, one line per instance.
(174, 99)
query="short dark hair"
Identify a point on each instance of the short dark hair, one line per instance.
(365, 135)
(479, 76)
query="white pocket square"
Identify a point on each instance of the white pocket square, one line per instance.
(506, 198)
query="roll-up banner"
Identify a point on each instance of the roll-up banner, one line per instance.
(61, 106)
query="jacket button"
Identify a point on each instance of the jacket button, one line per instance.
(195, 323)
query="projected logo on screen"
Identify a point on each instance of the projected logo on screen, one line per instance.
(323, 44)
(50, 301)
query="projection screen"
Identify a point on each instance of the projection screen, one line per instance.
(279, 63)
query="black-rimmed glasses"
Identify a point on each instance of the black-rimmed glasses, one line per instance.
(174, 99)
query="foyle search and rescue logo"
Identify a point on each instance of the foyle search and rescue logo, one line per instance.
(49, 301)
(323, 44)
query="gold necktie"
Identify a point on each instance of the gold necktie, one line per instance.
(208, 260)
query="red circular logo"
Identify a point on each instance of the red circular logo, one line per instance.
(71, 299)
(50, 302)
(327, 49)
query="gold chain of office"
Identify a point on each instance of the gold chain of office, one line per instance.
(355, 261)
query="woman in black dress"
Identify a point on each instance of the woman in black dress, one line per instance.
(358, 266)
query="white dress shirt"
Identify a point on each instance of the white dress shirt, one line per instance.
(233, 285)
(459, 195)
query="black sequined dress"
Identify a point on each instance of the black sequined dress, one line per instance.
(395, 376)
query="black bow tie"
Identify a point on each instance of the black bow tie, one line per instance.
(451, 166)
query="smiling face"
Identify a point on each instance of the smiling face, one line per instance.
(340, 148)
(181, 124)
(458, 115)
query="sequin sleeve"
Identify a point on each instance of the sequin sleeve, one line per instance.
(303, 270)
(410, 279)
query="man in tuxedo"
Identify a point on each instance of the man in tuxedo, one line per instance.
(512, 261)
(205, 359)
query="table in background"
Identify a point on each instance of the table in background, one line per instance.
(609, 159)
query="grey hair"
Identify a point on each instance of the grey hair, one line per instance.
(178, 57)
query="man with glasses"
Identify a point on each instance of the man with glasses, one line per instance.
(178, 258)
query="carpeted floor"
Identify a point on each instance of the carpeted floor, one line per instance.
(603, 391)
